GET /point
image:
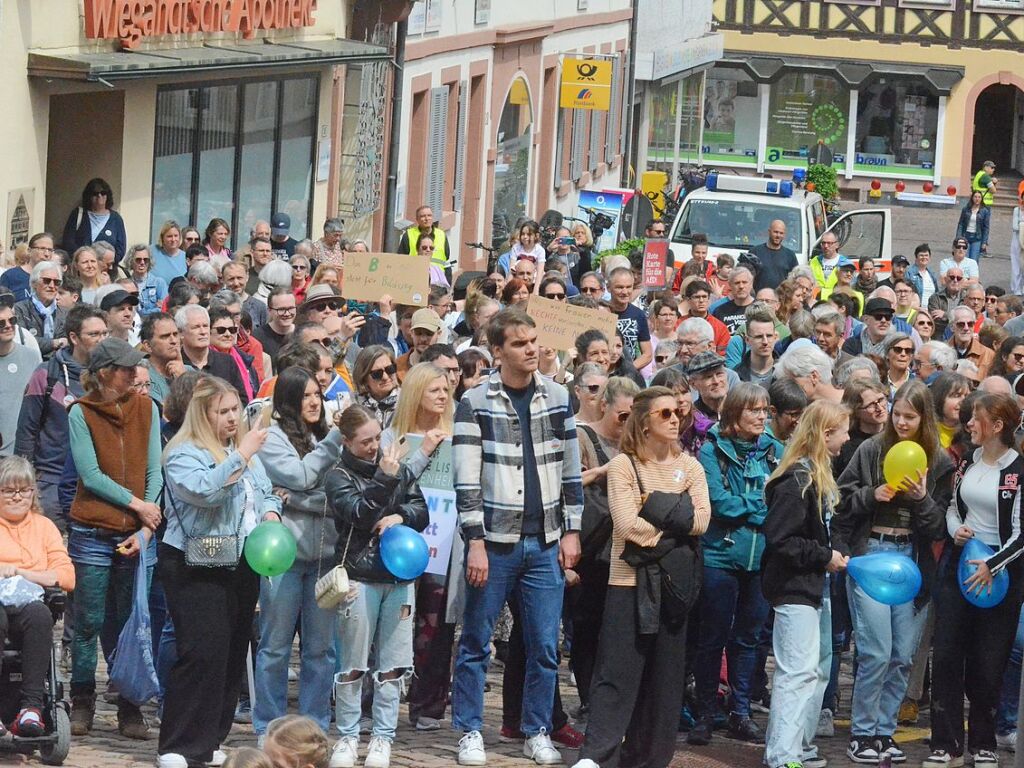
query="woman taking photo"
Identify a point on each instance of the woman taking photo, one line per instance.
(30, 547)
(376, 378)
(798, 558)
(425, 408)
(297, 454)
(95, 219)
(971, 644)
(168, 257)
(85, 265)
(114, 434)
(876, 517)
(370, 491)
(973, 226)
(216, 487)
(737, 458)
(640, 674)
(948, 393)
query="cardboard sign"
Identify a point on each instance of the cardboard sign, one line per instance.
(655, 262)
(436, 484)
(586, 84)
(405, 278)
(559, 322)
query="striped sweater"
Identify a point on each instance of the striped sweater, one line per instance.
(488, 457)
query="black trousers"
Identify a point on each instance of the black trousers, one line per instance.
(513, 679)
(31, 629)
(587, 611)
(433, 644)
(637, 690)
(971, 646)
(212, 611)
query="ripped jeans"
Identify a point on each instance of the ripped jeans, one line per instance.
(381, 616)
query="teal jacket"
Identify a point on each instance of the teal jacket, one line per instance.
(734, 539)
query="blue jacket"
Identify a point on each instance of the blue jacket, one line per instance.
(201, 498)
(42, 435)
(981, 232)
(79, 232)
(913, 276)
(734, 539)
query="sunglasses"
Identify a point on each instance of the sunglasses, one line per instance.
(590, 291)
(5, 324)
(622, 418)
(555, 296)
(593, 388)
(925, 323)
(882, 318)
(141, 261)
(954, 278)
(903, 350)
(660, 358)
(963, 324)
(299, 267)
(225, 330)
(666, 414)
(323, 341)
(50, 280)
(1017, 356)
(380, 373)
(426, 247)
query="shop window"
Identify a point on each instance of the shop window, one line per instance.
(803, 109)
(512, 161)
(674, 106)
(240, 151)
(897, 122)
(732, 117)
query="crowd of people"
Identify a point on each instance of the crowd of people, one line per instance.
(676, 502)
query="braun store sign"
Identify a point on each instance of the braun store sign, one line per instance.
(130, 21)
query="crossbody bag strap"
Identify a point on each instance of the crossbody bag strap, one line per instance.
(192, 533)
(636, 472)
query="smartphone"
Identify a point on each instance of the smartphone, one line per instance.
(567, 241)
(362, 307)
(343, 401)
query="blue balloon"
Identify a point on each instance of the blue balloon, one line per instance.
(404, 551)
(887, 577)
(980, 596)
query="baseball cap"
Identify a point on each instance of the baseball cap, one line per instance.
(845, 263)
(112, 351)
(117, 298)
(427, 319)
(703, 362)
(878, 306)
(280, 224)
(319, 293)
(962, 241)
(900, 261)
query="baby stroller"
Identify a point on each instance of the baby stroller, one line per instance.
(54, 744)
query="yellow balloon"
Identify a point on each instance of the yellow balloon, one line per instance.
(905, 459)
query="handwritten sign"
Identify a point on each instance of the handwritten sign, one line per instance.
(655, 262)
(559, 323)
(405, 278)
(437, 486)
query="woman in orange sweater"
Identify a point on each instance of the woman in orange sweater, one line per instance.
(30, 547)
(658, 500)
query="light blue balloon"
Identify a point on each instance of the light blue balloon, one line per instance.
(980, 596)
(887, 577)
(405, 552)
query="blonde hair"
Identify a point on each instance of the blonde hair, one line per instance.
(16, 470)
(807, 444)
(247, 757)
(195, 427)
(414, 385)
(302, 738)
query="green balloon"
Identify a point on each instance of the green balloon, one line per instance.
(270, 548)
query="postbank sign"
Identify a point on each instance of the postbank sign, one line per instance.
(131, 21)
(586, 84)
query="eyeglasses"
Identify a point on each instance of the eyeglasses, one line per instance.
(9, 494)
(903, 350)
(758, 411)
(380, 373)
(658, 232)
(555, 296)
(875, 405)
(924, 323)
(142, 260)
(142, 386)
(591, 291)
(283, 310)
(322, 341)
(226, 330)
(829, 242)
(191, 238)
(902, 291)
(50, 280)
(5, 324)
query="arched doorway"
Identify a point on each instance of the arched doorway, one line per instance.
(512, 160)
(999, 129)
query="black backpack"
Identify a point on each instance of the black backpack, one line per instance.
(596, 527)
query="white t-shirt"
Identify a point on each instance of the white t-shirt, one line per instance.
(979, 491)
(827, 265)
(968, 266)
(928, 287)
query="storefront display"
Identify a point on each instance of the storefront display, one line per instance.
(804, 109)
(897, 122)
(732, 116)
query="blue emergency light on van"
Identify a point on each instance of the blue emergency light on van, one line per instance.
(757, 186)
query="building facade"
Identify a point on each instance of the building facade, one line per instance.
(920, 90)
(221, 108)
(484, 140)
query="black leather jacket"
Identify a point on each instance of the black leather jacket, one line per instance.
(360, 494)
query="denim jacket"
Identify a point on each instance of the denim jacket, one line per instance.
(200, 497)
(913, 274)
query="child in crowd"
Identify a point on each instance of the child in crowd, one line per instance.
(294, 741)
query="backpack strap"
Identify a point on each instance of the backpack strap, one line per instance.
(54, 368)
(595, 441)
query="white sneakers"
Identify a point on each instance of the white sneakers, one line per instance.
(540, 749)
(471, 749)
(171, 760)
(345, 753)
(1007, 741)
(586, 763)
(379, 753)
(218, 759)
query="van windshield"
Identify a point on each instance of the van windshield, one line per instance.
(738, 224)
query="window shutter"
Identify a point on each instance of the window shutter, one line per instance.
(579, 134)
(614, 114)
(460, 145)
(596, 139)
(437, 142)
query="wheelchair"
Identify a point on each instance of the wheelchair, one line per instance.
(54, 744)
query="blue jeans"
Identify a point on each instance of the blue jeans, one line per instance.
(802, 640)
(973, 248)
(284, 600)
(733, 612)
(529, 569)
(887, 637)
(381, 616)
(1009, 698)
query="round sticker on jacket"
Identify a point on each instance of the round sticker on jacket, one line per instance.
(12, 367)
(69, 399)
(679, 475)
(556, 444)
